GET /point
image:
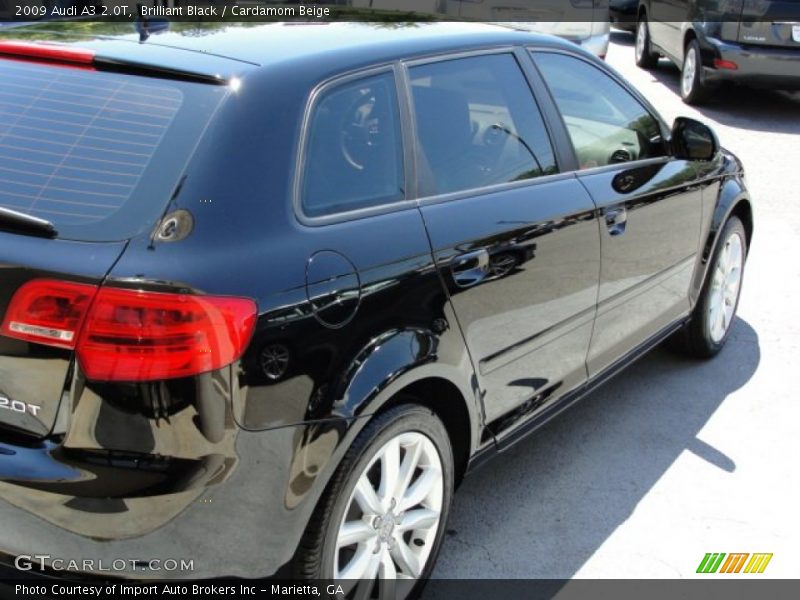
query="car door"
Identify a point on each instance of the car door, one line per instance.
(665, 24)
(649, 205)
(515, 241)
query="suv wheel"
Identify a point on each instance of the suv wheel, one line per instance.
(645, 57)
(383, 516)
(706, 333)
(693, 88)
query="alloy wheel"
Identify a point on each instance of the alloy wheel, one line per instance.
(689, 72)
(393, 515)
(641, 40)
(725, 286)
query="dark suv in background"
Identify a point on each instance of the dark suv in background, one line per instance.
(755, 43)
(268, 293)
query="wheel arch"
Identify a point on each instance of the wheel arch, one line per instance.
(446, 401)
(732, 200)
(432, 369)
(390, 383)
(689, 34)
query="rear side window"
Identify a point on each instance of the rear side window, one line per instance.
(477, 125)
(97, 154)
(354, 154)
(605, 122)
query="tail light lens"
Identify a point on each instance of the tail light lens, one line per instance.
(136, 336)
(48, 312)
(725, 64)
(130, 335)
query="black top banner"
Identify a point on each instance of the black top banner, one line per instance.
(541, 11)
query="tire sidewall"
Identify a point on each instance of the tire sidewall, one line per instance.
(400, 420)
(646, 59)
(733, 225)
(699, 90)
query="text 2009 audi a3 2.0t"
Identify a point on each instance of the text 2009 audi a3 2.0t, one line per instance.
(269, 293)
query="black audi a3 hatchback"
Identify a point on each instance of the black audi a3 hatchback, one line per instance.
(268, 293)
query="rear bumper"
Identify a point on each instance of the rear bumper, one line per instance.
(246, 523)
(776, 68)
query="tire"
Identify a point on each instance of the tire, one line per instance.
(645, 57)
(377, 519)
(705, 334)
(693, 89)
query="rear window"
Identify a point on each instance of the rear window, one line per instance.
(97, 154)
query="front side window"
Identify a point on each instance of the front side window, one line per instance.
(605, 122)
(354, 156)
(477, 125)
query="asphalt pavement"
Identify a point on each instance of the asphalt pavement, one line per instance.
(673, 458)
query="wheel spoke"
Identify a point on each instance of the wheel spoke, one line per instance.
(722, 265)
(404, 556)
(353, 532)
(727, 317)
(408, 467)
(365, 496)
(733, 276)
(719, 277)
(713, 316)
(421, 518)
(372, 568)
(367, 584)
(390, 472)
(358, 565)
(719, 324)
(726, 260)
(387, 570)
(420, 489)
(387, 586)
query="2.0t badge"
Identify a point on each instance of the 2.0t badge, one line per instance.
(19, 406)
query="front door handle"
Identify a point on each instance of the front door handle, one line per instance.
(616, 220)
(470, 268)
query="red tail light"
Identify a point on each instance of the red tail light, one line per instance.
(136, 336)
(130, 335)
(725, 64)
(48, 312)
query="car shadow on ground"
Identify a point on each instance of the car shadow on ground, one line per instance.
(542, 509)
(739, 106)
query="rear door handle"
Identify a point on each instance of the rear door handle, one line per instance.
(470, 268)
(616, 220)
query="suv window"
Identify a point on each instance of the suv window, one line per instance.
(607, 125)
(477, 124)
(96, 153)
(354, 154)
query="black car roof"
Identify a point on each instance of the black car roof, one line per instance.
(226, 50)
